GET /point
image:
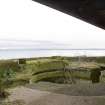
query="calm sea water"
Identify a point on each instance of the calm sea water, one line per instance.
(29, 53)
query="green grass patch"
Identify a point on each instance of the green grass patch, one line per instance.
(45, 75)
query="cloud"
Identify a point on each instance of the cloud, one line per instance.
(27, 20)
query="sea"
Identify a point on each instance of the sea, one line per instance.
(33, 53)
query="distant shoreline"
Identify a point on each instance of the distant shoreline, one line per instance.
(6, 54)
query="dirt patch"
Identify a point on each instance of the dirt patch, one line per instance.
(59, 99)
(26, 94)
(80, 89)
(38, 97)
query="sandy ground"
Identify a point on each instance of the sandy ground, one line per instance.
(26, 94)
(58, 99)
(37, 97)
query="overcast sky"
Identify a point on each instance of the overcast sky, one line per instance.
(28, 20)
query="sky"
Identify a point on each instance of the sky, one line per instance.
(30, 21)
(31, 44)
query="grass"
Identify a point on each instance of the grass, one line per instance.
(45, 75)
(35, 70)
(47, 65)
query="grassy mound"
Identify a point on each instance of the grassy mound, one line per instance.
(41, 66)
(46, 75)
(52, 69)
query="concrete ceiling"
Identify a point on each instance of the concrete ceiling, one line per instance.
(91, 11)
